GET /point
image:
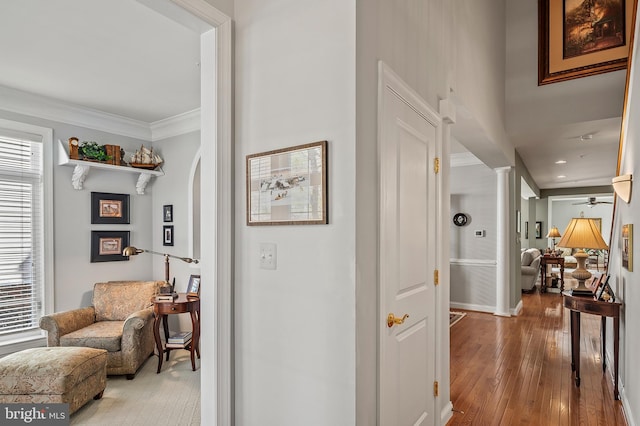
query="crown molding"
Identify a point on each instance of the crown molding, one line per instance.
(30, 104)
(26, 103)
(177, 125)
(462, 159)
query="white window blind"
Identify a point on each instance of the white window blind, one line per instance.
(21, 232)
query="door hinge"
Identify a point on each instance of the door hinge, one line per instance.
(435, 389)
(436, 277)
(436, 165)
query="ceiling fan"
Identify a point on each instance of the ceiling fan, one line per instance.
(591, 201)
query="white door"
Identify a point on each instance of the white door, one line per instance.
(409, 132)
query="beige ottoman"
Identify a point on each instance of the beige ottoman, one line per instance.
(70, 375)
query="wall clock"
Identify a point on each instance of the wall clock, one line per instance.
(460, 219)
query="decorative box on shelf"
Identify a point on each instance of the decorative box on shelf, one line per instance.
(82, 167)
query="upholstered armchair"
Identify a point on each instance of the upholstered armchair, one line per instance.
(119, 320)
(529, 269)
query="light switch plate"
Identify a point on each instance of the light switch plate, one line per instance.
(268, 256)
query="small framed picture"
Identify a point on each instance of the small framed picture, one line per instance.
(193, 289)
(107, 246)
(538, 230)
(167, 235)
(109, 208)
(167, 213)
(596, 282)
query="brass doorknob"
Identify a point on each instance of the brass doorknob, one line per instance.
(392, 320)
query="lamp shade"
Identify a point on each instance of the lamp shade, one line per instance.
(553, 232)
(582, 233)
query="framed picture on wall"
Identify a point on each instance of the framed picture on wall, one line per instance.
(538, 230)
(627, 247)
(167, 213)
(288, 186)
(167, 235)
(107, 246)
(109, 208)
(518, 221)
(526, 230)
(578, 39)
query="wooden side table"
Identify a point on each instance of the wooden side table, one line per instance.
(550, 260)
(588, 305)
(182, 304)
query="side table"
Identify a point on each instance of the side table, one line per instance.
(182, 304)
(550, 260)
(588, 305)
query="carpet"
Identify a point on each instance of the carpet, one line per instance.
(454, 317)
(167, 399)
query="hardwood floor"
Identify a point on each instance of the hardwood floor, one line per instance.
(517, 371)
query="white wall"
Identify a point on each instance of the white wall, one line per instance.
(625, 282)
(562, 211)
(179, 153)
(473, 259)
(295, 326)
(74, 274)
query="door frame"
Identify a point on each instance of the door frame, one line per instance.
(388, 78)
(216, 124)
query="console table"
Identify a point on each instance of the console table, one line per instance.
(182, 304)
(550, 260)
(587, 305)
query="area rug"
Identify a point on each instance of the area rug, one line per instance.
(454, 317)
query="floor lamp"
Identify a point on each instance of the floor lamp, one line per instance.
(582, 233)
(133, 251)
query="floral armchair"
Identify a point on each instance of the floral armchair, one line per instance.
(120, 320)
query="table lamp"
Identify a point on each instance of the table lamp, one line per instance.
(133, 251)
(553, 234)
(582, 233)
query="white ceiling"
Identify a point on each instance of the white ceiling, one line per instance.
(115, 56)
(123, 58)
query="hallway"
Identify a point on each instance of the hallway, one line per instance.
(508, 371)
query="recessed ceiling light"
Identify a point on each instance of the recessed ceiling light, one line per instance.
(561, 176)
(561, 162)
(586, 137)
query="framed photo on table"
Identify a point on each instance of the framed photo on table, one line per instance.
(109, 208)
(578, 39)
(193, 288)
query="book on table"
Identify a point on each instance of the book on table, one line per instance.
(177, 345)
(180, 338)
(166, 297)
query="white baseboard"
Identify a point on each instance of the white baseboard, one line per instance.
(446, 413)
(472, 307)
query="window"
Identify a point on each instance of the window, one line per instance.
(25, 229)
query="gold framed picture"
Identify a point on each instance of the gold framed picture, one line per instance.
(288, 186)
(578, 39)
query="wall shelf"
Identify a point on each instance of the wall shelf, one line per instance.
(81, 170)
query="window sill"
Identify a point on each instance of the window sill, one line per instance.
(20, 344)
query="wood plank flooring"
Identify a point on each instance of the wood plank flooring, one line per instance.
(517, 371)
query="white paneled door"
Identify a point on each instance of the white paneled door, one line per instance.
(409, 131)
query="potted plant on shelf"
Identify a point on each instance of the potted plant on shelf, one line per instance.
(91, 151)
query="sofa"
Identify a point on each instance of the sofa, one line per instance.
(569, 260)
(120, 320)
(529, 269)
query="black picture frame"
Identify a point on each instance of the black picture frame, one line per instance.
(167, 235)
(167, 213)
(109, 209)
(538, 230)
(107, 246)
(193, 288)
(526, 230)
